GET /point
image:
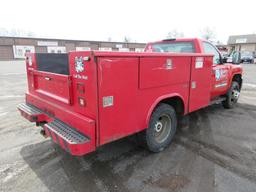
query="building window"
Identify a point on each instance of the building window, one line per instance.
(56, 49)
(124, 49)
(83, 48)
(20, 50)
(105, 48)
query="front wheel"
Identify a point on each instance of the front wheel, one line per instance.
(232, 96)
(162, 128)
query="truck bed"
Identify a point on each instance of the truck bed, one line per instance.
(103, 96)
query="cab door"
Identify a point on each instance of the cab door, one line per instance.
(219, 76)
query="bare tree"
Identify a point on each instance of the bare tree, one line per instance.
(31, 34)
(3, 32)
(16, 33)
(175, 34)
(208, 33)
(218, 42)
(127, 39)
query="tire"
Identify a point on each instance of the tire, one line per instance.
(232, 95)
(162, 128)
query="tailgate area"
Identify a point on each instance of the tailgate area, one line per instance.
(49, 76)
(62, 99)
(52, 85)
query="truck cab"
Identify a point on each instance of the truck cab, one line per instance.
(222, 73)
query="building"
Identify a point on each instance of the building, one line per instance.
(242, 43)
(16, 47)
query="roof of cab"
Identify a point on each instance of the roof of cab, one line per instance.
(176, 39)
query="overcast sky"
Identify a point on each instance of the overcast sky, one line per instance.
(140, 20)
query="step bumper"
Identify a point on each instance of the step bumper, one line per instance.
(32, 113)
(69, 138)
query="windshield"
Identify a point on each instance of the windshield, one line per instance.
(176, 47)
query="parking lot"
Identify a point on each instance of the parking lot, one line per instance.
(214, 150)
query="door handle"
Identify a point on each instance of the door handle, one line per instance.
(47, 78)
(168, 64)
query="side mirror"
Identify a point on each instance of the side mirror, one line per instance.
(236, 57)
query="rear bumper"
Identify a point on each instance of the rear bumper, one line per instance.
(32, 113)
(68, 137)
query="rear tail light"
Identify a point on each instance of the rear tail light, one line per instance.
(80, 88)
(81, 101)
(30, 61)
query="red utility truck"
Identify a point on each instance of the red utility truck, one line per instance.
(85, 99)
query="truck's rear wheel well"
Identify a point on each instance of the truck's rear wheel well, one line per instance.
(238, 78)
(177, 103)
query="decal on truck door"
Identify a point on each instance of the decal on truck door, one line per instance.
(221, 77)
(217, 74)
(220, 74)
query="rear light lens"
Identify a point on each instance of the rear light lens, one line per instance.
(81, 101)
(80, 88)
(30, 62)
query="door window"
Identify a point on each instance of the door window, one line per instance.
(208, 48)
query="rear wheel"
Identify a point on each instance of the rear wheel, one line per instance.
(232, 95)
(162, 128)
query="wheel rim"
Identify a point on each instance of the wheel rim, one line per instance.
(162, 128)
(235, 94)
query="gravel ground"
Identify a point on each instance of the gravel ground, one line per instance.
(214, 150)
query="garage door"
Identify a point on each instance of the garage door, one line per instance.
(6, 53)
